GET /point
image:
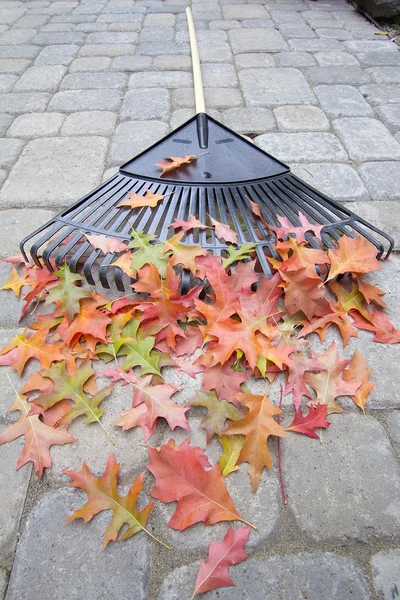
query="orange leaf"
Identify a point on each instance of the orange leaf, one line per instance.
(354, 255)
(138, 201)
(358, 371)
(106, 244)
(34, 346)
(15, 283)
(192, 223)
(174, 162)
(224, 231)
(307, 425)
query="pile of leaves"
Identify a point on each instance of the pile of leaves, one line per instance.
(232, 326)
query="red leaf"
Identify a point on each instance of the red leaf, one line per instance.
(315, 419)
(225, 381)
(224, 231)
(214, 573)
(379, 323)
(298, 366)
(299, 231)
(106, 244)
(192, 223)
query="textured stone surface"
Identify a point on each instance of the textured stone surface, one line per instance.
(367, 139)
(249, 120)
(316, 45)
(95, 63)
(244, 11)
(381, 94)
(89, 123)
(335, 59)
(21, 103)
(378, 57)
(381, 215)
(36, 125)
(94, 81)
(301, 118)
(256, 40)
(265, 87)
(57, 55)
(382, 179)
(5, 122)
(3, 582)
(13, 65)
(16, 224)
(77, 100)
(7, 82)
(9, 151)
(302, 147)
(152, 103)
(11, 503)
(133, 137)
(390, 115)
(162, 79)
(311, 576)
(111, 50)
(334, 75)
(340, 182)
(386, 573)
(247, 61)
(55, 172)
(342, 101)
(107, 574)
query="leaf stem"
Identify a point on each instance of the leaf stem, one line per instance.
(285, 500)
(156, 539)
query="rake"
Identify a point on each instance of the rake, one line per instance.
(229, 173)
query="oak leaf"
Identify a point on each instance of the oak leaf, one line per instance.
(337, 317)
(304, 293)
(106, 244)
(180, 476)
(258, 425)
(147, 252)
(39, 437)
(225, 381)
(186, 226)
(66, 294)
(379, 323)
(102, 494)
(88, 322)
(15, 283)
(299, 231)
(223, 231)
(214, 573)
(174, 162)
(33, 346)
(298, 366)
(181, 254)
(219, 411)
(315, 419)
(138, 201)
(354, 255)
(232, 446)
(243, 252)
(358, 371)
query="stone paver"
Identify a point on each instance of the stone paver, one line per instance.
(302, 147)
(3, 582)
(390, 115)
(151, 103)
(133, 137)
(11, 503)
(367, 139)
(382, 179)
(249, 120)
(36, 125)
(311, 576)
(89, 123)
(340, 182)
(57, 55)
(381, 94)
(96, 63)
(271, 87)
(394, 428)
(301, 118)
(94, 81)
(77, 100)
(42, 570)
(54, 172)
(16, 224)
(162, 79)
(381, 215)
(5, 122)
(9, 151)
(21, 103)
(256, 40)
(343, 101)
(386, 574)
(335, 75)
(360, 499)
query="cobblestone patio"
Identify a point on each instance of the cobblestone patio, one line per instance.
(84, 86)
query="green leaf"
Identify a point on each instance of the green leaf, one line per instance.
(218, 412)
(67, 293)
(139, 354)
(235, 254)
(147, 253)
(232, 445)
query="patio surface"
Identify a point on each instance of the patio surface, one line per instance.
(83, 87)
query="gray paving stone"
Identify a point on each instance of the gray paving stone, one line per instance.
(3, 175)
(316, 45)
(89, 9)
(13, 65)
(159, 47)
(244, 11)
(77, 100)
(286, 16)
(335, 34)
(9, 15)
(340, 182)
(57, 55)
(133, 137)
(294, 59)
(11, 504)
(384, 74)
(73, 19)
(373, 57)
(56, 27)
(95, 63)
(122, 18)
(149, 103)
(41, 78)
(16, 224)
(7, 82)
(5, 122)
(359, 46)
(225, 25)
(355, 482)
(335, 59)
(219, 75)
(311, 576)
(89, 123)
(106, 573)
(367, 139)
(94, 81)
(393, 423)
(256, 40)
(67, 38)
(54, 172)
(36, 125)
(249, 120)
(257, 23)
(159, 20)
(19, 51)
(160, 79)
(302, 147)
(123, 7)
(386, 573)
(3, 582)
(17, 36)
(335, 75)
(112, 37)
(180, 116)
(111, 50)
(390, 115)
(214, 97)
(342, 101)
(9, 151)
(382, 179)
(265, 87)
(292, 30)
(247, 61)
(301, 118)
(132, 63)
(381, 94)
(164, 63)
(381, 214)
(149, 34)
(10, 311)
(90, 27)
